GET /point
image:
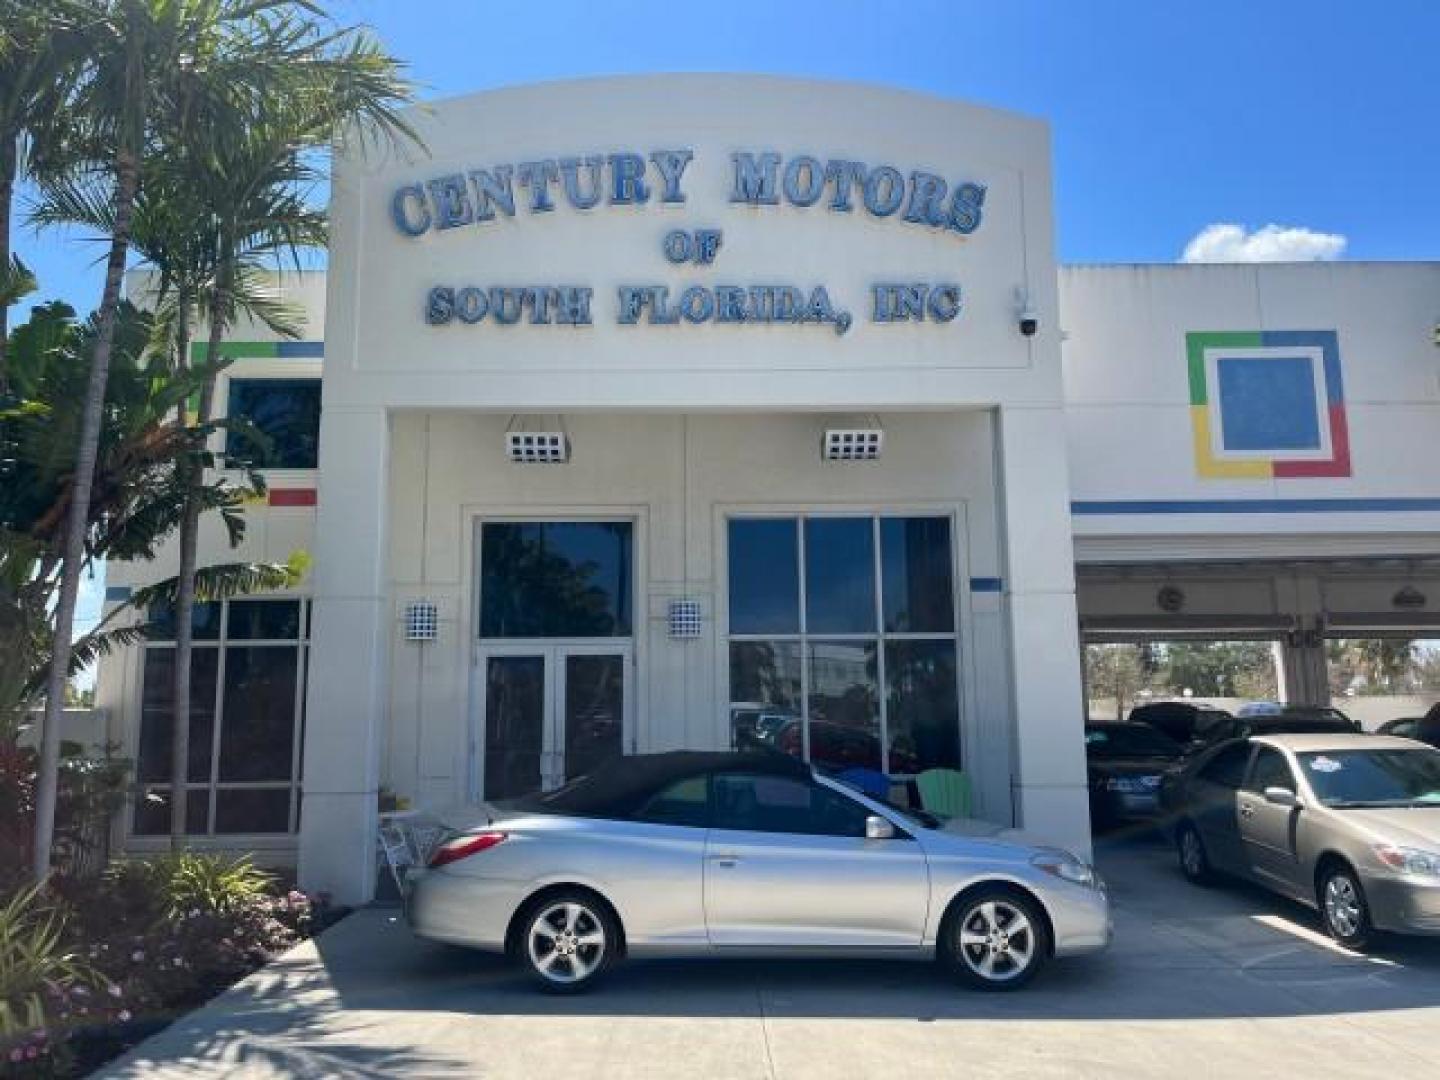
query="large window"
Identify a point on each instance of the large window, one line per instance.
(247, 676)
(282, 423)
(843, 641)
(555, 579)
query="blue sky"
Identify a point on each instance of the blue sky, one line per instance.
(1167, 119)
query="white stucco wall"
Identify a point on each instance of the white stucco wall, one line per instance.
(1127, 402)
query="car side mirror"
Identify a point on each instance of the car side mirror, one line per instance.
(878, 828)
(1279, 796)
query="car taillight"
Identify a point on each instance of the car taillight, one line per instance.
(462, 847)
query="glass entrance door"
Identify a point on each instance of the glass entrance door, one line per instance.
(549, 713)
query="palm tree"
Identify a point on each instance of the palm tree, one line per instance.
(152, 72)
(139, 494)
(178, 214)
(255, 183)
(37, 66)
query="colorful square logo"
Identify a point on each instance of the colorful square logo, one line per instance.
(1267, 404)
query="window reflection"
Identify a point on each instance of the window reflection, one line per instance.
(258, 739)
(839, 575)
(849, 690)
(923, 709)
(285, 414)
(764, 692)
(915, 569)
(764, 576)
(844, 704)
(157, 714)
(555, 579)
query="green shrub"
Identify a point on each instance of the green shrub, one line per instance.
(170, 886)
(45, 986)
(32, 958)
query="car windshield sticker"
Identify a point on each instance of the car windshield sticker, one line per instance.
(1325, 765)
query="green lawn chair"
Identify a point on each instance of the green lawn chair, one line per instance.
(945, 792)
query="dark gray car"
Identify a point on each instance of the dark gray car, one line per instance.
(1348, 824)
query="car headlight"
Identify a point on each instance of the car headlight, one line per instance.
(1408, 860)
(1067, 866)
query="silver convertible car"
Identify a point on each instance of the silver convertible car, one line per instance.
(733, 854)
(1346, 823)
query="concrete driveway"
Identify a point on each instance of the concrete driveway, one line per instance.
(1227, 983)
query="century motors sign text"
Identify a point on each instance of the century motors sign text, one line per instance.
(470, 199)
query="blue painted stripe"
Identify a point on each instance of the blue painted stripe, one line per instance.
(297, 350)
(115, 594)
(986, 584)
(1256, 506)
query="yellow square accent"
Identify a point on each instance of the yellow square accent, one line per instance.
(1211, 468)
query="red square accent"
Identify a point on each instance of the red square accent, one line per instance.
(1339, 463)
(292, 496)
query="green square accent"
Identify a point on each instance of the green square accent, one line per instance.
(1198, 341)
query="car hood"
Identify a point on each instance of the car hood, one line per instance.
(1417, 826)
(974, 829)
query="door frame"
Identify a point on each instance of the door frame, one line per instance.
(469, 747)
(553, 652)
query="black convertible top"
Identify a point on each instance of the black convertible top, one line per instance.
(621, 786)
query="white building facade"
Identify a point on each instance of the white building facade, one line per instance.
(705, 411)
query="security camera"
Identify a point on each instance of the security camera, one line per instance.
(1029, 322)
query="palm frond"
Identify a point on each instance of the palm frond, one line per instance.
(222, 582)
(16, 282)
(101, 643)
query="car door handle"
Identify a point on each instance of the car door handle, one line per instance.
(725, 860)
(1247, 810)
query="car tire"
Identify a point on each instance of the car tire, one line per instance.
(995, 938)
(566, 941)
(1190, 850)
(1343, 908)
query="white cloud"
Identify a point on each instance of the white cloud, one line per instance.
(1225, 242)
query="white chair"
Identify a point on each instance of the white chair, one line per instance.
(404, 839)
(394, 846)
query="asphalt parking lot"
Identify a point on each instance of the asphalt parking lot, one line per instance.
(1225, 982)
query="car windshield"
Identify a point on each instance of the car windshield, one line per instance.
(1136, 741)
(1347, 779)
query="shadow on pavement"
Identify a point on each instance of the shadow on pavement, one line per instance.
(1180, 952)
(367, 999)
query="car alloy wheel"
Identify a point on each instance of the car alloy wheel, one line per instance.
(1194, 863)
(1347, 917)
(997, 940)
(567, 943)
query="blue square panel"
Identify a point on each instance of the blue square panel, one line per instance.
(1267, 404)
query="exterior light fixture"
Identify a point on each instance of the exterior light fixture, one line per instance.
(422, 620)
(853, 443)
(547, 446)
(684, 619)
